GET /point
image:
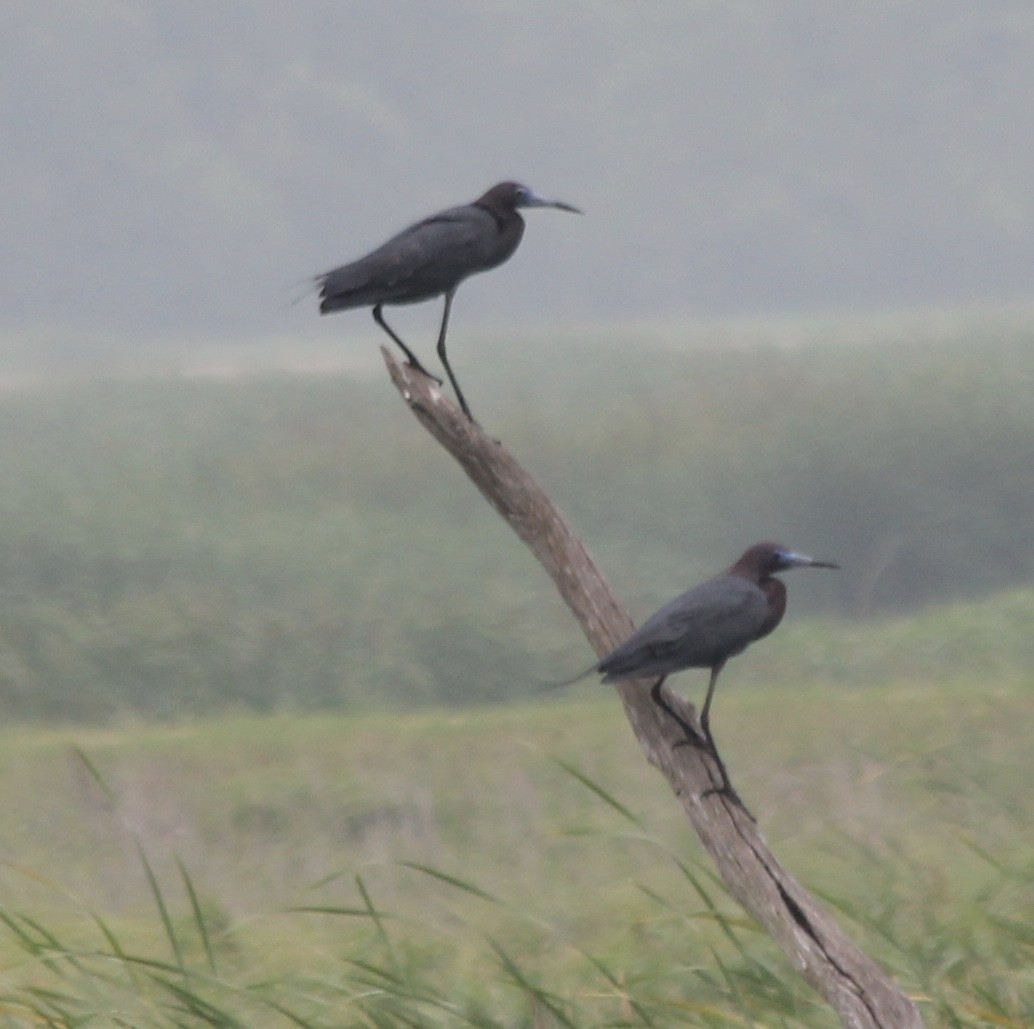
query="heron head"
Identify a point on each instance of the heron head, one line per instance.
(765, 559)
(782, 559)
(516, 194)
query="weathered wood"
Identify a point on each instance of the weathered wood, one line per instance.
(861, 993)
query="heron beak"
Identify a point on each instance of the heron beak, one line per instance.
(534, 200)
(794, 560)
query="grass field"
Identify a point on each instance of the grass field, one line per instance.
(210, 584)
(455, 872)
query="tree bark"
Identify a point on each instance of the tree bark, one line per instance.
(861, 993)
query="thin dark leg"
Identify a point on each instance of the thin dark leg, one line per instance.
(445, 359)
(705, 711)
(410, 356)
(705, 724)
(692, 736)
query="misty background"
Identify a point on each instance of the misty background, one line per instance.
(799, 305)
(175, 169)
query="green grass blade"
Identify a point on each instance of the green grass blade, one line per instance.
(451, 880)
(163, 910)
(197, 1006)
(535, 993)
(199, 918)
(95, 774)
(626, 997)
(116, 948)
(607, 797)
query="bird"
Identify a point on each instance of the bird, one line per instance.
(431, 259)
(706, 626)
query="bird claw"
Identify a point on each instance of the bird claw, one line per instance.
(725, 790)
(728, 790)
(423, 371)
(692, 739)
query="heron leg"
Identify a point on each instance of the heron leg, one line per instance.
(705, 711)
(705, 723)
(444, 358)
(692, 736)
(410, 356)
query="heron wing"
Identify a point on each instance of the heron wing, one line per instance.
(421, 262)
(699, 629)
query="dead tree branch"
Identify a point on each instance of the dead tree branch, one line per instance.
(861, 993)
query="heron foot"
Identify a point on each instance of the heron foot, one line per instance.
(418, 367)
(728, 790)
(692, 739)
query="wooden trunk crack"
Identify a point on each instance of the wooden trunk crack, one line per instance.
(861, 993)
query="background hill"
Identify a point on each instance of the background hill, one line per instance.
(175, 544)
(176, 169)
(173, 173)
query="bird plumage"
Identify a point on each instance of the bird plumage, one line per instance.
(706, 626)
(430, 259)
(712, 622)
(423, 261)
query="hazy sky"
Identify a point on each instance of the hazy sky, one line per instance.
(177, 168)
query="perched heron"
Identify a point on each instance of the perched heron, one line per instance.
(706, 626)
(431, 258)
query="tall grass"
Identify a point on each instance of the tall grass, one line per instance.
(518, 867)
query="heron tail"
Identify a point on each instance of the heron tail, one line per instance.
(570, 682)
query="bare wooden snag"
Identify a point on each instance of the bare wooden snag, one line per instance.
(861, 993)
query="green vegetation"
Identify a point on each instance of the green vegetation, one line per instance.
(173, 547)
(258, 550)
(443, 869)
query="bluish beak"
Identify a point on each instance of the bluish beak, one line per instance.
(791, 559)
(534, 200)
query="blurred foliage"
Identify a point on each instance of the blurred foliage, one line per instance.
(171, 545)
(444, 868)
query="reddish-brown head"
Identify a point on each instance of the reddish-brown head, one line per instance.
(506, 197)
(766, 559)
(760, 563)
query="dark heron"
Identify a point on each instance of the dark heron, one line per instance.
(431, 259)
(706, 626)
